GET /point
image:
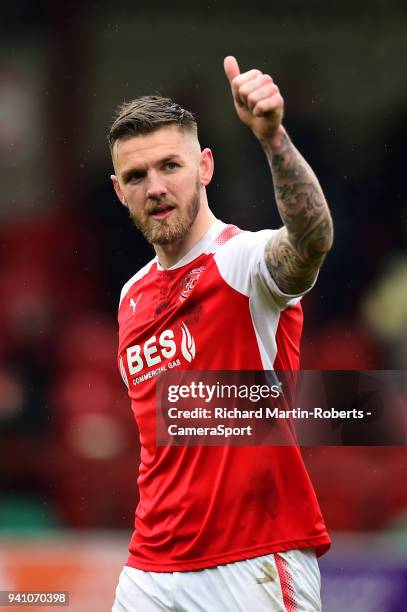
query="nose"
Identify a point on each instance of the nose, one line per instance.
(156, 187)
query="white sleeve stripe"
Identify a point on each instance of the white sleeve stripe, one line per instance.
(265, 323)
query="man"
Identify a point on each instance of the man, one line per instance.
(217, 528)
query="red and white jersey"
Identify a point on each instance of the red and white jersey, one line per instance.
(218, 308)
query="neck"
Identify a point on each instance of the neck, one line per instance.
(170, 254)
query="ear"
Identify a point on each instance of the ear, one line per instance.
(206, 167)
(117, 189)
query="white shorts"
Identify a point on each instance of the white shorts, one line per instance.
(281, 582)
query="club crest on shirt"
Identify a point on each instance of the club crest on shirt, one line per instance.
(189, 282)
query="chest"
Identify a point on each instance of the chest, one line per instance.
(168, 314)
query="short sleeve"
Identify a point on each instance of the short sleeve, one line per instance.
(242, 263)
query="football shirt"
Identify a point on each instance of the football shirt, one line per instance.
(218, 308)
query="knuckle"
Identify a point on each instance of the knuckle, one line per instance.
(249, 75)
(250, 86)
(244, 90)
(268, 90)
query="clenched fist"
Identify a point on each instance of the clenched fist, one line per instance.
(257, 99)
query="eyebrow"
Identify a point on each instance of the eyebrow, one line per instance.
(139, 172)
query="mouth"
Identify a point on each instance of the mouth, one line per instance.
(161, 212)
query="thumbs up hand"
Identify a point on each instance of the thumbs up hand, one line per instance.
(257, 99)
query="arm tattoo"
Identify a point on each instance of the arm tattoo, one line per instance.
(295, 253)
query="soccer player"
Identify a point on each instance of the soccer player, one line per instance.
(217, 528)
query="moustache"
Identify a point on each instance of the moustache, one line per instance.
(158, 206)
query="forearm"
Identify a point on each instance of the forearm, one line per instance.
(296, 252)
(300, 200)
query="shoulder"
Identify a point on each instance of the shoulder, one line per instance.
(240, 245)
(137, 277)
(249, 239)
(231, 239)
(238, 257)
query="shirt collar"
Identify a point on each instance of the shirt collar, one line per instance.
(198, 249)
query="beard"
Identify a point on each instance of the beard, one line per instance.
(173, 229)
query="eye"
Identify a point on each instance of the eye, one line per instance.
(135, 178)
(171, 165)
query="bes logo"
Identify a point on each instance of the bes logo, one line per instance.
(154, 350)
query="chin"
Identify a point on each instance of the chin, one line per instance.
(168, 237)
